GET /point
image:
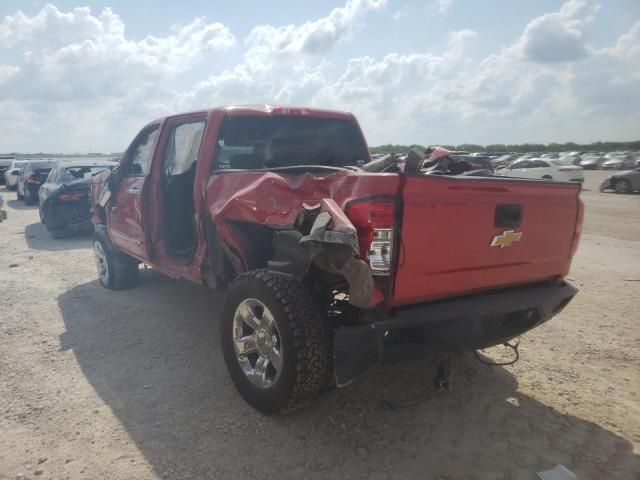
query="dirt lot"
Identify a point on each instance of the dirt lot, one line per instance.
(102, 384)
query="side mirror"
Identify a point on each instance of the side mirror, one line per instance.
(15, 172)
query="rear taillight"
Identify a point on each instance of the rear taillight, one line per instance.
(374, 220)
(68, 197)
(577, 233)
(31, 179)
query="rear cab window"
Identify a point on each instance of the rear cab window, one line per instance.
(263, 142)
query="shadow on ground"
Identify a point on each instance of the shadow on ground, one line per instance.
(152, 354)
(20, 205)
(38, 238)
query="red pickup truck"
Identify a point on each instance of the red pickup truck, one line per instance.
(323, 261)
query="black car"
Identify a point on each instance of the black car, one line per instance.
(475, 162)
(32, 176)
(64, 197)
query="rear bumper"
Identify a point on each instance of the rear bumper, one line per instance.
(474, 322)
(71, 217)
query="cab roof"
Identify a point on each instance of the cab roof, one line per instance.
(265, 110)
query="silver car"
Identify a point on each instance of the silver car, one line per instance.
(12, 173)
(623, 182)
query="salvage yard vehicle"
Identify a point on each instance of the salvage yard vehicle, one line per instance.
(322, 261)
(546, 169)
(5, 164)
(623, 182)
(12, 173)
(31, 177)
(3, 212)
(64, 204)
(619, 162)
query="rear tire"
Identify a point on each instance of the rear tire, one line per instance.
(116, 270)
(622, 186)
(300, 337)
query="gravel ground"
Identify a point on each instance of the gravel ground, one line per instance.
(102, 384)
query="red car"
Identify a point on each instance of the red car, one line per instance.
(322, 261)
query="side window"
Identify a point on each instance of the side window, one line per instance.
(142, 152)
(518, 165)
(183, 146)
(538, 164)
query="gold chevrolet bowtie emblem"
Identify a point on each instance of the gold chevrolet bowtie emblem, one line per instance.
(506, 238)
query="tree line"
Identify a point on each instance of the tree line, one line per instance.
(520, 148)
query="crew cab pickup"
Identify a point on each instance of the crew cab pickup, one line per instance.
(322, 259)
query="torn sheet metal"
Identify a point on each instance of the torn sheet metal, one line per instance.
(332, 226)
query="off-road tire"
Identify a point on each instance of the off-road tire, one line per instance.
(624, 186)
(304, 337)
(123, 270)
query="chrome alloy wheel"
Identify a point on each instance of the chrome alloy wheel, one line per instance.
(257, 343)
(101, 262)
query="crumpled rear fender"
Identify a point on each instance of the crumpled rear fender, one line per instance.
(279, 201)
(332, 245)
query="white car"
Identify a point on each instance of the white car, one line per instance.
(549, 169)
(11, 174)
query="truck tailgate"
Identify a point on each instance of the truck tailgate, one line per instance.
(449, 224)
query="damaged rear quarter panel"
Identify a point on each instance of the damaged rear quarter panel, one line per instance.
(276, 199)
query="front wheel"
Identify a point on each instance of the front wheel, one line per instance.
(275, 342)
(116, 270)
(623, 186)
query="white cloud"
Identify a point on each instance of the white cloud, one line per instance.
(82, 82)
(559, 36)
(310, 38)
(85, 66)
(444, 6)
(282, 64)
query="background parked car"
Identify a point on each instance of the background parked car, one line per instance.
(548, 169)
(64, 197)
(5, 163)
(619, 162)
(623, 182)
(32, 175)
(591, 161)
(477, 162)
(12, 173)
(3, 212)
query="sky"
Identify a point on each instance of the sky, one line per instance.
(85, 77)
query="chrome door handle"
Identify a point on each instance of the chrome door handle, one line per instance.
(134, 191)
